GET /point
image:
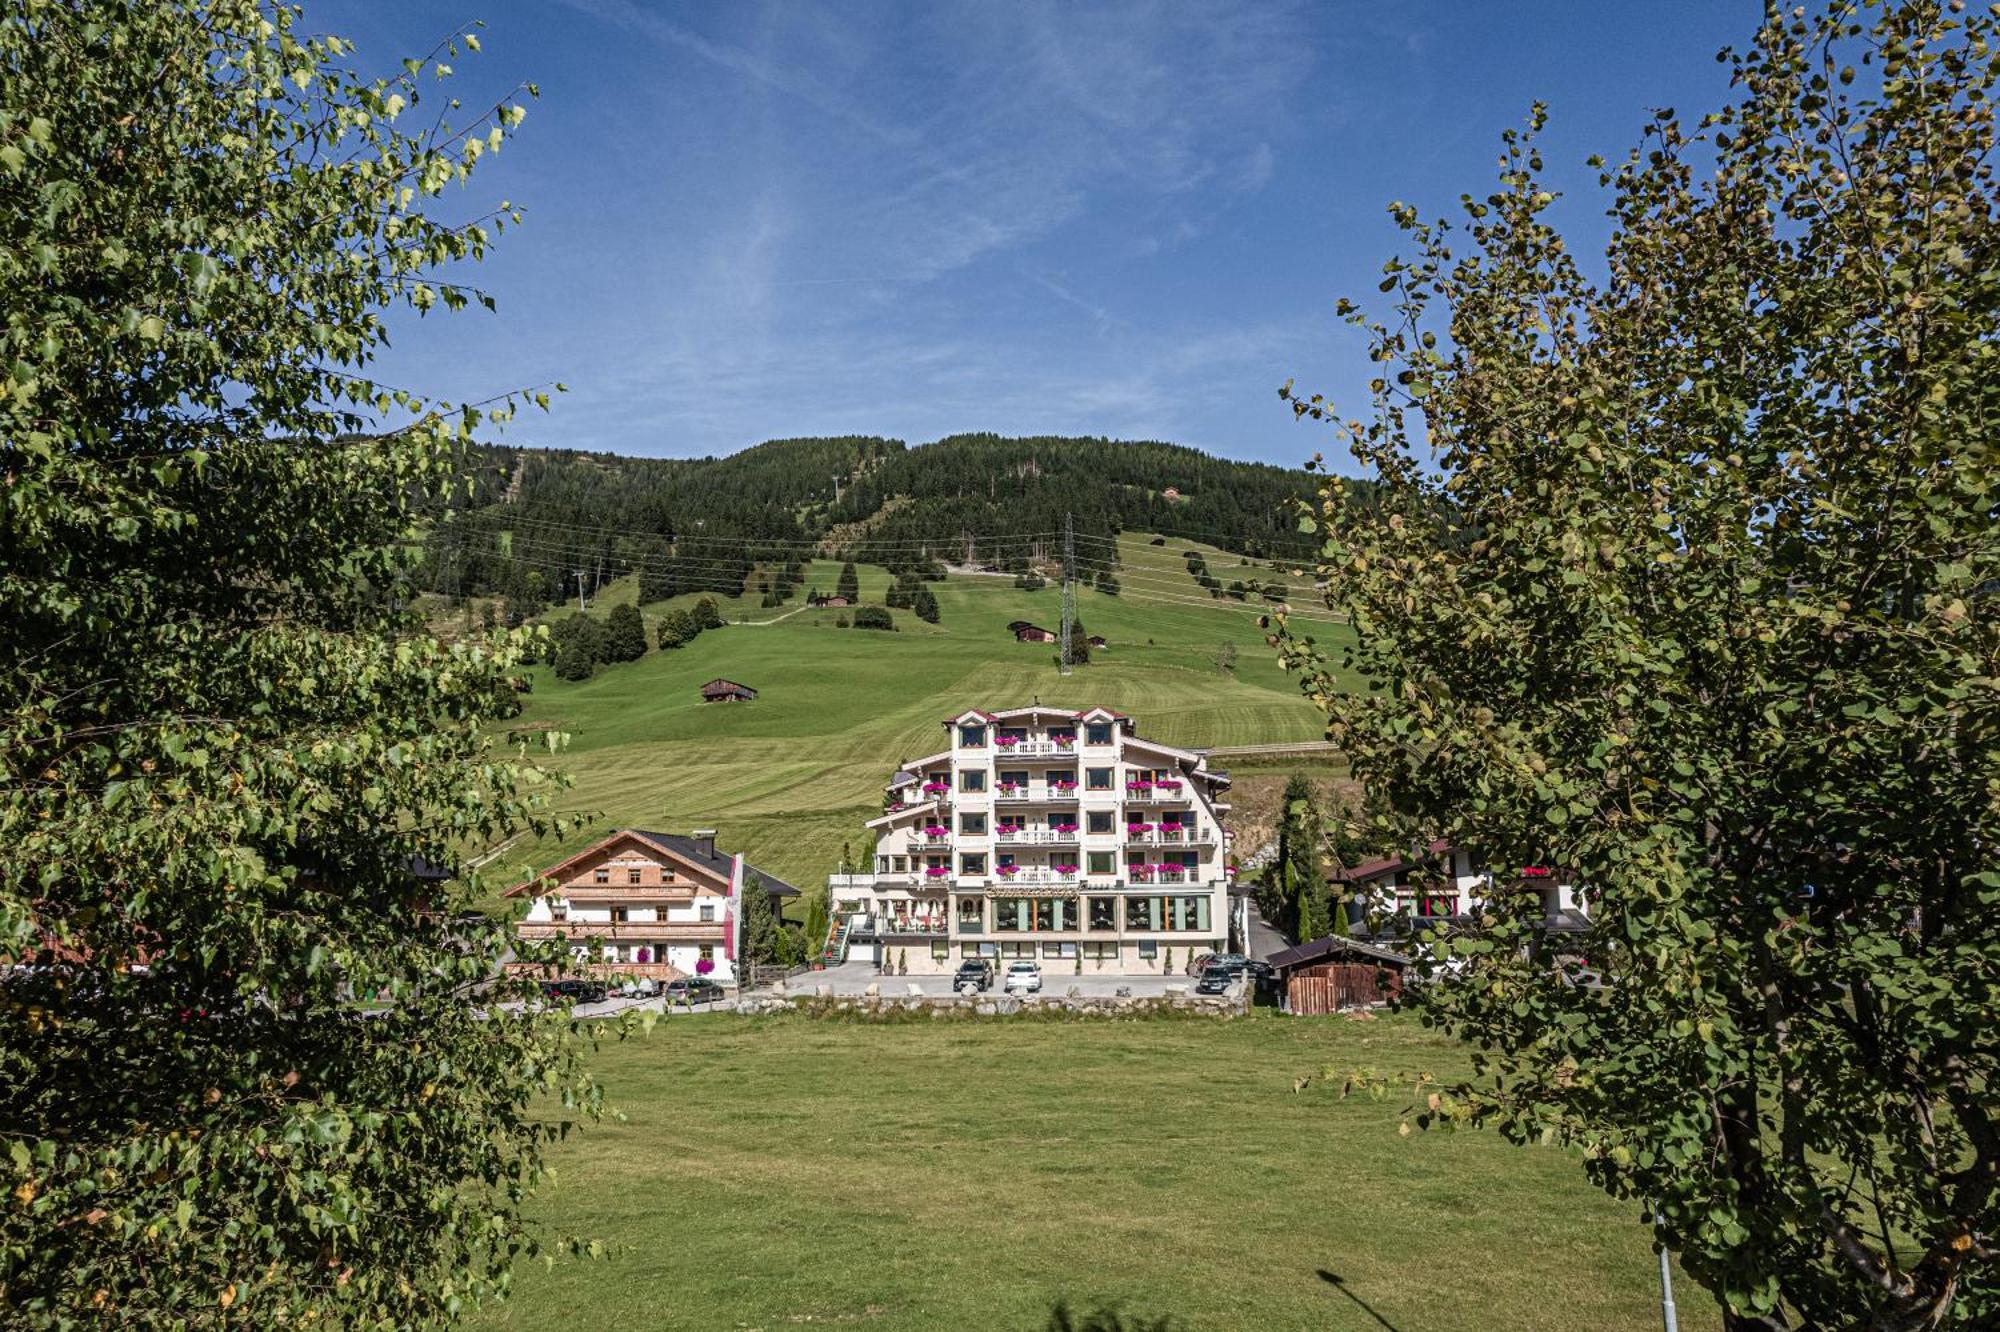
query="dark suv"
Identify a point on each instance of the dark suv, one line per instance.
(974, 971)
(693, 990)
(574, 991)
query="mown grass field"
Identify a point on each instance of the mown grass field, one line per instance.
(777, 1172)
(791, 778)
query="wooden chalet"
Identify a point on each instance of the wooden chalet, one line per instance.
(726, 691)
(1328, 974)
(1033, 633)
(646, 904)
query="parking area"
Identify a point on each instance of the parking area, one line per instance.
(854, 978)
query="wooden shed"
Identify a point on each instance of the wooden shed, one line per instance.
(1034, 633)
(1328, 974)
(726, 691)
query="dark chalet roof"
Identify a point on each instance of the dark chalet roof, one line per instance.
(719, 861)
(1331, 946)
(719, 686)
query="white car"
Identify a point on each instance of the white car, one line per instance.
(1023, 976)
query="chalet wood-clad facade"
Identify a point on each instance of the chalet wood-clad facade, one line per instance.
(646, 904)
(1051, 834)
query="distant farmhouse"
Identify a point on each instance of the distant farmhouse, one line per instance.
(1031, 633)
(822, 599)
(1097, 641)
(719, 690)
(646, 904)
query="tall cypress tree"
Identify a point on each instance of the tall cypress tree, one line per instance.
(850, 583)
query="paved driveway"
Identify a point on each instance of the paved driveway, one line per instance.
(1264, 940)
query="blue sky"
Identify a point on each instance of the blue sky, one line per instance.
(751, 220)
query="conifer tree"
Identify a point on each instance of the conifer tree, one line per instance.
(849, 585)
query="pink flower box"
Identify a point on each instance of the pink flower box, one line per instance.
(936, 830)
(936, 788)
(1009, 871)
(1062, 827)
(1137, 828)
(1063, 869)
(1141, 785)
(703, 966)
(1008, 788)
(1168, 784)
(936, 871)
(1063, 785)
(1007, 741)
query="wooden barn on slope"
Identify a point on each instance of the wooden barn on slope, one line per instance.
(726, 691)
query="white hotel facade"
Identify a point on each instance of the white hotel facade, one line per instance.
(1050, 834)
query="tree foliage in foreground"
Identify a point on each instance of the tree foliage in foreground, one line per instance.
(1695, 599)
(220, 743)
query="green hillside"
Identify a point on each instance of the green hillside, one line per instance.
(792, 777)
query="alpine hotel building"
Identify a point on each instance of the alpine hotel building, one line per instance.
(1048, 834)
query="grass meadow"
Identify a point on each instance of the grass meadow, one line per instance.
(777, 1172)
(791, 778)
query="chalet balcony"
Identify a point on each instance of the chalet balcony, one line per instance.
(1038, 876)
(1035, 836)
(637, 894)
(1154, 794)
(1043, 749)
(633, 931)
(1036, 794)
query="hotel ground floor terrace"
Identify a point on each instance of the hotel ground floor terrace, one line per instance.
(1134, 928)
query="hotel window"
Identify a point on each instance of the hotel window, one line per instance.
(1061, 734)
(1100, 820)
(940, 950)
(1103, 862)
(632, 877)
(1015, 779)
(1142, 913)
(1048, 914)
(1017, 950)
(1054, 949)
(1103, 913)
(708, 952)
(972, 864)
(601, 876)
(617, 915)
(971, 913)
(1097, 779)
(882, 864)
(1015, 733)
(972, 825)
(1098, 733)
(972, 737)
(902, 864)
(972, 779)
(708, 911)
(1149, 948)
(969, 950)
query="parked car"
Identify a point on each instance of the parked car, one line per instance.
(1215, 980)
(1023, 976)
(974, 971)
(692, 990)
(1201, 962)
(640, 987)
(574, 991)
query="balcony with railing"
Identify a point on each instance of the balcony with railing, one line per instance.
(644, 894)
(1030, 748)
(1036, 793)
(1053, 835)
(614, 931)
(1038, 875)
(1157, 793)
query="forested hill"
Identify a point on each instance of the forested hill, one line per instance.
(978, 499)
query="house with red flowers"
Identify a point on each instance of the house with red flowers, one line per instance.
(649, 905)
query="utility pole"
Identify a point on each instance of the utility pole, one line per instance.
(1669, 1318)
(1068, 588)
(836, 487)
(581, 574)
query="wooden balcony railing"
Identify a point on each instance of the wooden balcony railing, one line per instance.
(634, 931)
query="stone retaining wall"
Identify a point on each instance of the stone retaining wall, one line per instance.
(824, 1003)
